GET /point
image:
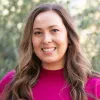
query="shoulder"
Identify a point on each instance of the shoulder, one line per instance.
(93, 86)
(6, 79)
(93, 80)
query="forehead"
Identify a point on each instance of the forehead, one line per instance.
(48, 17)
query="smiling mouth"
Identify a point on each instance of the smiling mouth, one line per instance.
(48, 49)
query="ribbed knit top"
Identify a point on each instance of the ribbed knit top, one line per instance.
(51, 86)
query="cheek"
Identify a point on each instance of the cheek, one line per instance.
(35, 43)
(62, 39)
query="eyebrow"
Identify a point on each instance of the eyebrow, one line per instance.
(49, 27)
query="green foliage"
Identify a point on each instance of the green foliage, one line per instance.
(89, 20)
(13, 16)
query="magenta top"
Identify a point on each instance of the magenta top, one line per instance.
(52, 86)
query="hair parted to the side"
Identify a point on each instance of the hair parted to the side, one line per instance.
(77, 68)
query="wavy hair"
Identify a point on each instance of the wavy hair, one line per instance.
(77, 69)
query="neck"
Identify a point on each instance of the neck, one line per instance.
(53, 66)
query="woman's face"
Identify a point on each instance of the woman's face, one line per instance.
(49, 38)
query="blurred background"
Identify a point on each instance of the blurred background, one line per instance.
(13, 14)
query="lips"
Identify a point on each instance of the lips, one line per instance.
(48, 49)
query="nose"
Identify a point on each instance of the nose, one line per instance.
(47, 39)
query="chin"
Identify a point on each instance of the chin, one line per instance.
(50, 61)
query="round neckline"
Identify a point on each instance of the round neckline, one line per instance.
(51, 74)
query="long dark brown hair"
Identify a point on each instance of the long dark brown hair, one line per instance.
(77, 69)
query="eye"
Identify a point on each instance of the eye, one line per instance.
(55, 30)
(37, 33)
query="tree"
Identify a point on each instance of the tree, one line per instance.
(89, 24)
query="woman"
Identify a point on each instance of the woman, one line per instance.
(52, 66)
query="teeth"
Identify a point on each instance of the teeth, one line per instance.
(48, 50)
